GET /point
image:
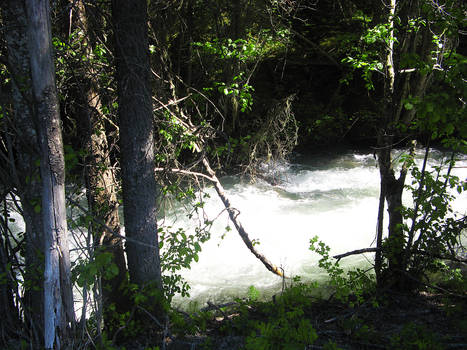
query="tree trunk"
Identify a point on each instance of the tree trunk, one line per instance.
(11, 316)
(136, 140)
(24, 170)
(391, 188)
(101, 183)
(398, 85)
(58, 297)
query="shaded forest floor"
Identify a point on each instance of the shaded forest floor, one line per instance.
(425, 320)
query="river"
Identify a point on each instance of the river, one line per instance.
(333, 195)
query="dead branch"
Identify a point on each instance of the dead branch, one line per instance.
(185, 172)
(238, 225)
(355, 252)
(221, 193)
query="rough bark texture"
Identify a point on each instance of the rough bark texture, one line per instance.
(24, 170)
(136, 140)
(58, 298)
(101, 183)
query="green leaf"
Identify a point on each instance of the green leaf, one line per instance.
(449, 129)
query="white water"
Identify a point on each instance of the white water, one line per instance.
(332, 196)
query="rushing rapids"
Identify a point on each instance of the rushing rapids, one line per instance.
(333, 196)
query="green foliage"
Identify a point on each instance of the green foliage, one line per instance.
(174, 139)
(287, 326)
(182, 250)
(239, 49)
(253, 293)
(234, 145)
(434, 224)
(441, 113)
(178, 248)
(193, 323)
(350, 286)
(146, 314)
(366, 55)
(72, 52)
(106, 344)
(449, 276)
(330, 345)
(85, 272)
(72, 158)
(288, 333)
(240, 88)
(415, 337)
(280, 324)
(224, 52)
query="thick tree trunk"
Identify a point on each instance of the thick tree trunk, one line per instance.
(136, 140)
(101, 183)
(25, 171)
(58, 297)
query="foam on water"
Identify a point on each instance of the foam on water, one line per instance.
(336, 199)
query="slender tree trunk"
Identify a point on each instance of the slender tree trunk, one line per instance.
(391, 188)
(136, 140)
(58, 297)
(379, 233)
(398, 86)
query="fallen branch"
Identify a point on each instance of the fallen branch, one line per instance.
(238, 225)
(189, 129)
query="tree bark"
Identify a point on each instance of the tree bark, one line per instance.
(136, 140)
(58, 297)
(11, 317)
(398, 86)
(101, 183)
(390, 190)
(24, 169)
